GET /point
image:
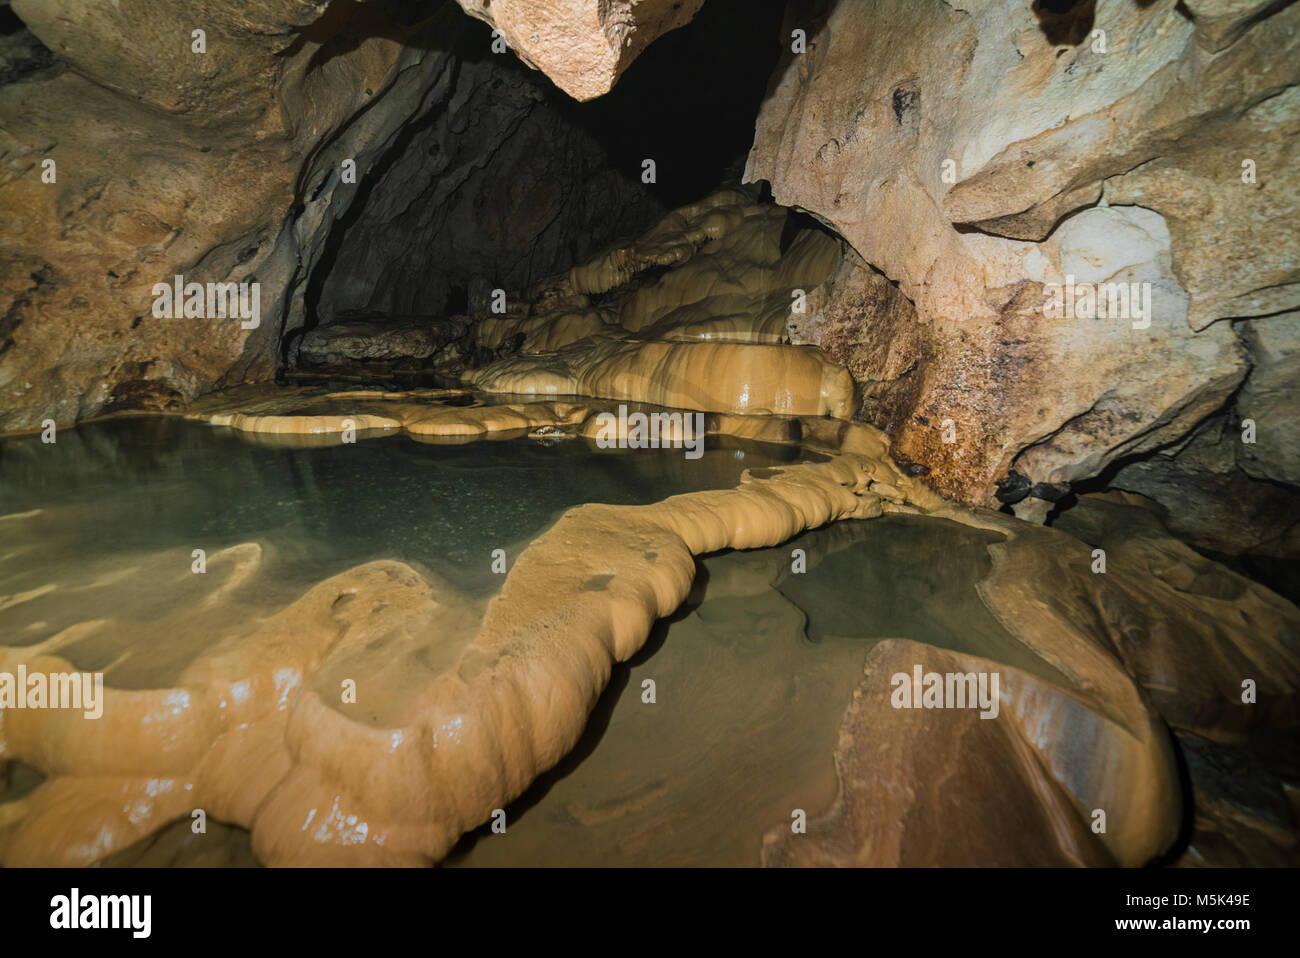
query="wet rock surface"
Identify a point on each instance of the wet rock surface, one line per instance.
(1090, 667)
(1245, 810)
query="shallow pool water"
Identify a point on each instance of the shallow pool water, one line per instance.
(148, 484)
(751, 676)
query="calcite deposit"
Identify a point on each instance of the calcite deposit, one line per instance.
(440, 749)
(710, 333)
(501, 692)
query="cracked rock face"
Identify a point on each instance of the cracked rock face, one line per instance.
(981, 159)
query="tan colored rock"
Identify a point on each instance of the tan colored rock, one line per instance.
(231, 165)
(463, 709)
(582, 45)
(726, 268)
(168, 162)
(709, 334)
(744, 378)
(950, 144)
(1001, 791)
(465, 705)
(1268, 400)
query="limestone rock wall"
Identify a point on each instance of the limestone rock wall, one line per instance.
(491, 188)
(980, 155)
(174, 152)
(385, 158)
(244, 152)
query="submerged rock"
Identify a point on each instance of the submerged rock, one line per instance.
(249, 724)
(1015, 789)
(461, 706)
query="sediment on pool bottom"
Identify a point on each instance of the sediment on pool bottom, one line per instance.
(444, 744)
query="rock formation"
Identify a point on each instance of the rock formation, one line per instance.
(446, 746)
(1046, 255)
(582, 45)
(709, 333)
(501, 693)
(978, 155)
(244, 137)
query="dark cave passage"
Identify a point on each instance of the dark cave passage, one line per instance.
(502, 180)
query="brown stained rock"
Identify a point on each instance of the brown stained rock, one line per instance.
(1190, 631)
(872, 331)
(582, 45)
(958, 151)
(924, 787)
(169, 162)
(499, 694)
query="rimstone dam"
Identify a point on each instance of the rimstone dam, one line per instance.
(619, 433)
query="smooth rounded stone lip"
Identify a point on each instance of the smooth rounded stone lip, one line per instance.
(514, 702)
(511, 706)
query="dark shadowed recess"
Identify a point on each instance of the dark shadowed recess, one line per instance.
(691, 99)
(21, 54)
(506, 181)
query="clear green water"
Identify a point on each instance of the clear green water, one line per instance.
(148, 484)
(753, 673)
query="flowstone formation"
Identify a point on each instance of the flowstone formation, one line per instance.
(982, 255)
(438, 752)
(1026, 309)
(693, 314)
(460, 705)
